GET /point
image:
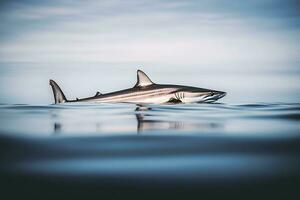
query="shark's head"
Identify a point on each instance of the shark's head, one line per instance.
(194, 95)
(177, 93)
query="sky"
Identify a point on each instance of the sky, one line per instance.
(88, 46)
(260, 33)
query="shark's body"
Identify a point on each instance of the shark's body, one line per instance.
(147, 92)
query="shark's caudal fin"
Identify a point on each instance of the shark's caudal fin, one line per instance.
(142, 79)
(59, 96)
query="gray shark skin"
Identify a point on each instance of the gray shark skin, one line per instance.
(146, 92)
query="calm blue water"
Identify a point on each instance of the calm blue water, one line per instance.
(247, 142)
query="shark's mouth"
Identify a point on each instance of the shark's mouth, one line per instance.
(213, 97)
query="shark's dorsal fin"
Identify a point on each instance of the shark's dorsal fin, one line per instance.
(142, 79)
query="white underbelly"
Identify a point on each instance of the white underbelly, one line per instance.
(154, 100)
(151, 100)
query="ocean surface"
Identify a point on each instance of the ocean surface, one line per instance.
(245, 145)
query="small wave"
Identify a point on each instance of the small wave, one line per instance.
(34, 107)
(284, 116)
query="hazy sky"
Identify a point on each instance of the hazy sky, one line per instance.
(254, 32)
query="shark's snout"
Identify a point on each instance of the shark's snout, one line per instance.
(221, 94)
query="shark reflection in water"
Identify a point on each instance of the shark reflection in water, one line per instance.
(144, 124)
(147, 120)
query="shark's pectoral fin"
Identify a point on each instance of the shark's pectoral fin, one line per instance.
(174, 100)
(142, 79)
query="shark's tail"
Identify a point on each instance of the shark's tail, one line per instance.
(59, 96)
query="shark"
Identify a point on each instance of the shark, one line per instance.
(145, 91)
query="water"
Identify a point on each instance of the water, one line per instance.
(246, 144)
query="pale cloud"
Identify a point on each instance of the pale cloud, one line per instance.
(161, 31)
